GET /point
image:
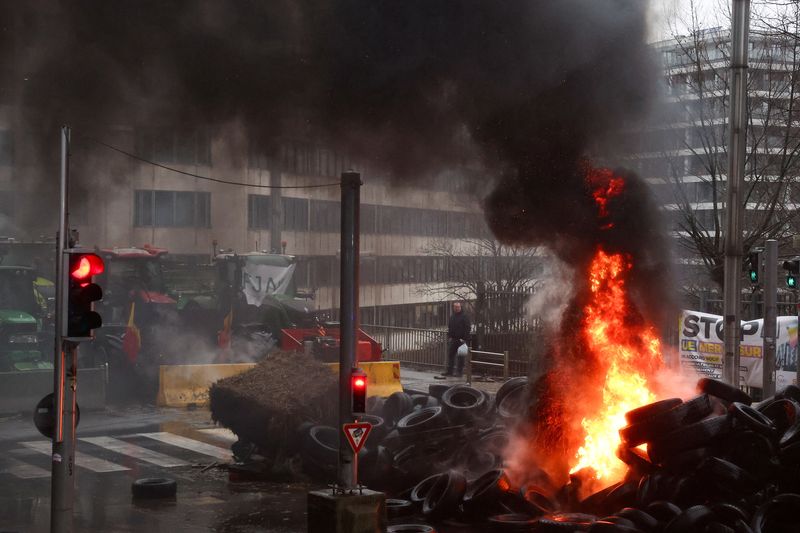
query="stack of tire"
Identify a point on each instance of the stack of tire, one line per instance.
(714, 463)
(455, 433)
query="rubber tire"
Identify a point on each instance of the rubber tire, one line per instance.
(692, 519)
(688, 437)
(154, 488)
(723, 391)
(421, 489)
(790, 392)
(512, 522)
(379, 427)
(663, 511)
(508, 386)
(320, 448)
(458, 411)
(398, 405)
(397, 508)
(640, 518)
(422, 420)
(783, 503)
(640, 414)
(666, 421)
(485, 492)
(514, 404)
(410, 528)
(445, 496)
(437, 390)
(753, 419)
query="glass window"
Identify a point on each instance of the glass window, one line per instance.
(166, 209)
(258, 211)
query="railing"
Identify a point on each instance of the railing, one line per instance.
(422, 347)
(492, 364)
(427, 348)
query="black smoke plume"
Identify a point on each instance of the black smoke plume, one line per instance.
(513, 94)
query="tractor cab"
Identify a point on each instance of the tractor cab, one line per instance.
(133, 276)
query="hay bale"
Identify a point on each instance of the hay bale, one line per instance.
(266, 404)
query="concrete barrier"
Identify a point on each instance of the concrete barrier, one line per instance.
(21, 391)
(383, 377)
(184, 385)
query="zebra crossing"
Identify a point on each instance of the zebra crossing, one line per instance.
(119, 453)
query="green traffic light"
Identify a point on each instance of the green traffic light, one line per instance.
(753, 276)
(791, 281)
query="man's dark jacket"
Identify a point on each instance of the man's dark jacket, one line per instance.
(458, 326)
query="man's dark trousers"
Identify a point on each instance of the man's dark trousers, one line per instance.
(453, 359)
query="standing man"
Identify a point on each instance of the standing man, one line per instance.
(457, 334)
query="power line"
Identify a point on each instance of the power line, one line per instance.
(207, 178)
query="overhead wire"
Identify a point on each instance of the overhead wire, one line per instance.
(207, 178)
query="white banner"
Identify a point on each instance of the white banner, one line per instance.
(702, 347)
(262, 280)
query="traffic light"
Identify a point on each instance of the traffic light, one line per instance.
(358, 387)
(81, 319)
(792, 268)
(753, 266)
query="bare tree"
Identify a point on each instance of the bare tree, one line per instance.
(493, 279)
(694, 158)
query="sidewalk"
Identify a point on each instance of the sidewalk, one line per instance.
(419, 380)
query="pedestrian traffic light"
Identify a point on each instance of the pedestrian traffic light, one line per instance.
(753, 266)
(80, 317)
(792, 268)
(358, 387)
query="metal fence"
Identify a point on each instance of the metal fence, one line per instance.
(423, 347)
(427, 348)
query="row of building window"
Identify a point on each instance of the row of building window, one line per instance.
(167, 209)
(301, 214)
(172, 209)
(323, 271)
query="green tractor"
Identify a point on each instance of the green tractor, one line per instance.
(23, 316)
(256, 289)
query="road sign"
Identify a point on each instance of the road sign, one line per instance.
(44, 417)
(357, 434)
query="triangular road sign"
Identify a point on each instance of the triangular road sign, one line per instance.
(357, 434)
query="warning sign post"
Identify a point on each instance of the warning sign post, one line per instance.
(356, 434)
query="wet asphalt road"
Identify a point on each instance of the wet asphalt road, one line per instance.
(117, 447)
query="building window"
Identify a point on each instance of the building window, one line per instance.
(172, 209)
(169, 146)
(258, 211)
(295, 213)
(326, 216)
(6, 148)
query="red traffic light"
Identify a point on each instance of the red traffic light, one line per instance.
(359, 383)
(85, 266)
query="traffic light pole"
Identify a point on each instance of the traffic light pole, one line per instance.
(351, 194)
(770, 317)
(65, 374)
(733, 206)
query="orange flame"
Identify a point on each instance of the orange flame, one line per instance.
(625, 348)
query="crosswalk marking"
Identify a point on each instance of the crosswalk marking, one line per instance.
(23, 470)
(223, 434)
(81, 459)
(137, 452)
(190, 444)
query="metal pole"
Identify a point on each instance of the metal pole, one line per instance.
(351, 189)
(733, 211)
(276, 204)
(63, 459)
(770, 317)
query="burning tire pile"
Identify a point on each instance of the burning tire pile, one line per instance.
(714, 463)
